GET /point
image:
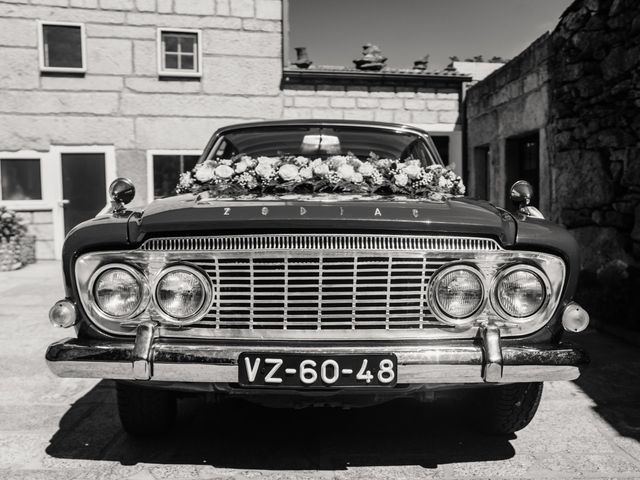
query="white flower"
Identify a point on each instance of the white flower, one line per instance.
(223, 171)
(265, 170)
(337, 161)
(401, 179)
(366, 169)
(377, 178)
(442, 182)
(462, 189)
(357, 178)
(205, 171)
(288, 172)
(268, 160)
(241, 166)
(412, 171)
(306, 173)
(227, 162)
(185, 181)
(321, 170)
(301, 161)
(345, 172)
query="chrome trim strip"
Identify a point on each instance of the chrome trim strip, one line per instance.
(291, 241)
(219, 364)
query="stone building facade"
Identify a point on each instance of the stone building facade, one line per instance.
(118, 106)
(566, 113)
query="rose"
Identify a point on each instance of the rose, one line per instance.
(288, 172)
(345, 172)
(241, 166)
(301, 161)
(227, 161)
(306, 173)
(223, 171)
(442, 182)
(412, 171)
(265, 170)
(401, 179)
(337, 161)
(205, 171)
(357, 178)
(366, 169)
(321, 170)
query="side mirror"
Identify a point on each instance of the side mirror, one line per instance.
(121, 192)
(521, 194)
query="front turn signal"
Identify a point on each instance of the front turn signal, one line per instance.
(63, 314)
(575, 318)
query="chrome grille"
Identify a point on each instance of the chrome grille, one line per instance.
(321, 292)
(431, 243)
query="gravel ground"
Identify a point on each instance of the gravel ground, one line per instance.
(52, 428)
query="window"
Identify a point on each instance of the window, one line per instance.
(20, 179)
(523, 162)
(62, 47)
(442, 144)
(165, 169)
(179, 53)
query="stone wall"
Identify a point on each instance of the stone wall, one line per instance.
(595, 127)
(595, 132)
(588, 107)
(415, 105)
(512, 101)
(121, 101)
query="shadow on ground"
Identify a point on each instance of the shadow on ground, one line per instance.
(612, 380)
(237, 434)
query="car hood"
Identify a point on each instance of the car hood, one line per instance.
(201, 215)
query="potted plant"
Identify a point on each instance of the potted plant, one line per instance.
(12, 239)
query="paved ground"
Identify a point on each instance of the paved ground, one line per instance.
(53, 428)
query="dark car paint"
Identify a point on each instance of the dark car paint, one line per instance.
(183, 216)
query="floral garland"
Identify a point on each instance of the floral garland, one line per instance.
(245, 175)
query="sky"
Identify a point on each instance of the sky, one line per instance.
(335, 30)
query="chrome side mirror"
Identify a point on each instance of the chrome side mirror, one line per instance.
(121, 192)
(521, 194)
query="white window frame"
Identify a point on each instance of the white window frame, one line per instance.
(170, 72)
(46, 169)
(83, 48)
(150, 155)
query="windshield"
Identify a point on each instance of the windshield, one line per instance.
(324, 142)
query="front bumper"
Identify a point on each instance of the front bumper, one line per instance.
(151, 358)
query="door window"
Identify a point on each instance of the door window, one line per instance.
(83, 186)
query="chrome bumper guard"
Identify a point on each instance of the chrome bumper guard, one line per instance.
(149, 358)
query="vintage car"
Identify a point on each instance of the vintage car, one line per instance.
(320, 263)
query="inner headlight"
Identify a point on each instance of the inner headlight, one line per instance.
(520, 292)
(119, 291)
(182, 294)
(457, 293)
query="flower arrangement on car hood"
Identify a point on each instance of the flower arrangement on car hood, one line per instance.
(243, 175)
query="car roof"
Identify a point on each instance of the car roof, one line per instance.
(323, 123)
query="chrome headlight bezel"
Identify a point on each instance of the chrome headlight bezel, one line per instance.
(202, 310)
(525, 267)
(136, 274)
(434, 305)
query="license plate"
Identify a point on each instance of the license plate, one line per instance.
(303, 371)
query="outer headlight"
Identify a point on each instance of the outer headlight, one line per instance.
(119, 291)
(457, 294)
(182, 294)
(519, 292)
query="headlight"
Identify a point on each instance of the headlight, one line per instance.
(519, 292)
(119, 291)
(182, 294)
(457, 293)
